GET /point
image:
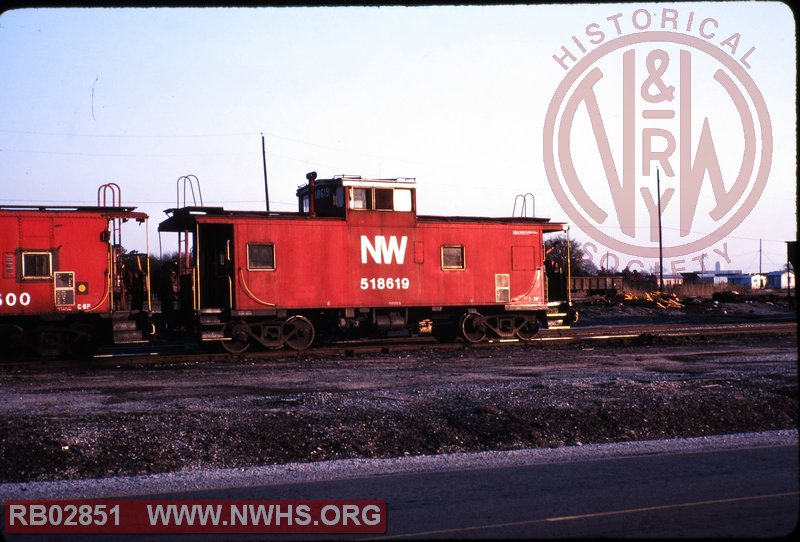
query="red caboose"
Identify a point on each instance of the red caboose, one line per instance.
(64, 277)
(357, 259)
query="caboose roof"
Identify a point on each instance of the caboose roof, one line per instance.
(183, 218)
(521, 220)
(358, 181)
(379, 183)
(107, 212)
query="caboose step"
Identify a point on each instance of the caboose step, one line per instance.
(127, 337)
(124, 325)
(210, 321)
(211, 328)
(126, 329)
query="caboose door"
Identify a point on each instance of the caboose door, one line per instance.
(215, 266)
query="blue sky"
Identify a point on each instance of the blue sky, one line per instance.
(454, 96)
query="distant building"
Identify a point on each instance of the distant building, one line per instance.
(780, 280)
(673, 280)
(753, 282)
(715, 277)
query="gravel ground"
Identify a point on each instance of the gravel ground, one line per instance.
(77, 424)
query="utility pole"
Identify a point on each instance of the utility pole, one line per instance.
(264, 159)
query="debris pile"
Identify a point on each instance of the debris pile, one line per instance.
(661, 300)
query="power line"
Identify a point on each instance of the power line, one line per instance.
(127, 155)
(132, 136)
(372, 156)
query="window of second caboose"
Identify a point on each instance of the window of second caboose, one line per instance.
(37, 265)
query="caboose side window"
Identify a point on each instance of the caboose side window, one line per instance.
(453, 257)
(37, 265)
(260, 256)
(402, 199)
(384, 199)
(381, 199)
(361, 198)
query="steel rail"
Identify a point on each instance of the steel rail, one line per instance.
(183, 353)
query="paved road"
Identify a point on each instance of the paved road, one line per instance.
(735, 486)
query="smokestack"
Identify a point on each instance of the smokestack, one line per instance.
(311, 176)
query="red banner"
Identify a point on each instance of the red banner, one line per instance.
(196, 516)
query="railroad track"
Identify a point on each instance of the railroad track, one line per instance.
(183, 353)
(666, 330)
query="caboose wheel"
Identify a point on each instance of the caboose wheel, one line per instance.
(472, 329)
(12, 342)
(81, 341)
(239, 338)
(298, 332)
(528, 330)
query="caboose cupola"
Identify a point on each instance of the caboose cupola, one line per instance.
(343, 194)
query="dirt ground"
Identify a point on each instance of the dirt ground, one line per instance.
(78, 423)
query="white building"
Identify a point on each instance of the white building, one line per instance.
(780, 280)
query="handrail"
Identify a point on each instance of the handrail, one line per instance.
(523, 210)
(190, 181)
(250, 294)
(107, 289)
(116, 195)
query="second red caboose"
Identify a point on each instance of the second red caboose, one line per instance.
(65, 286)
(356, 259)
